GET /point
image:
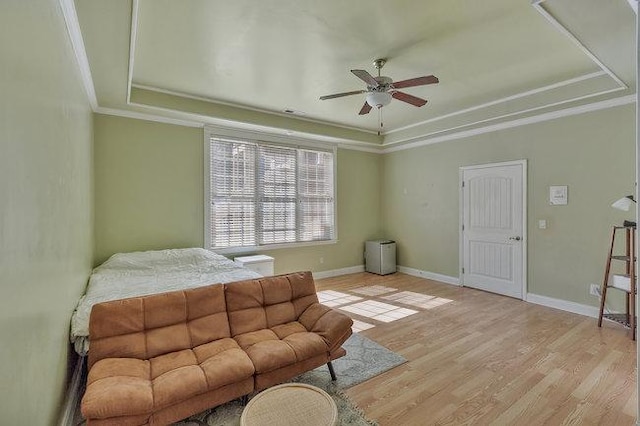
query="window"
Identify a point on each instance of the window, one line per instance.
(263, 194)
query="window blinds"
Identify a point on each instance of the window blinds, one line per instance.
(232, 197)
(315, 191)
(263, 194)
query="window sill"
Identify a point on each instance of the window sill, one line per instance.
(242, 250)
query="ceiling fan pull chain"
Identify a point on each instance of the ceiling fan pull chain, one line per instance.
(380, 120)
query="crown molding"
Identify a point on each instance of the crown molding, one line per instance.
(503, 100)
(499, 117)
(192, 120)
(148, 117)
(77, 43)
(581, 109)
(133, 37)
(248, 108)
(538, 5)
(276, 135)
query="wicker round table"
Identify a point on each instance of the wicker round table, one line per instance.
(291, 404)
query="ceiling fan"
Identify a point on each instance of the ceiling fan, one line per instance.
(381, 89)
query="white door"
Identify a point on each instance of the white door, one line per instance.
(493, 236)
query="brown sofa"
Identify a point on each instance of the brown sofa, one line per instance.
(158, 359)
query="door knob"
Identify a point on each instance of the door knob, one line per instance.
(515, 238)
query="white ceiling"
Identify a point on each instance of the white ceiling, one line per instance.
(247, 61)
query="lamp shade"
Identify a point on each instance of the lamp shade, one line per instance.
(624, 203)
(378, 99)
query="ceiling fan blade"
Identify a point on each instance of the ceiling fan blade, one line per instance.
(365, 109)
(339, 95)
(418, 81)
(366, 77)
(410, 99)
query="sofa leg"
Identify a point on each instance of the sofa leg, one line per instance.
(332, 371)
(244, 400)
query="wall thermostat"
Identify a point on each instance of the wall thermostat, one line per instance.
(558, 195)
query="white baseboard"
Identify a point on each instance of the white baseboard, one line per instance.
(564, 305)
(447, 279)
(337, 272)
(67, 416)
(409, 271)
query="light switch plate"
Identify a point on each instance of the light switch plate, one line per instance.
(542, 224)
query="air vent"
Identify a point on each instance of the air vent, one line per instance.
(293, 111)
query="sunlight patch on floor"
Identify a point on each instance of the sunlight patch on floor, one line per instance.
(419, 300)
(333, 298)
(373, 290)
(379, 311)
(360, 326)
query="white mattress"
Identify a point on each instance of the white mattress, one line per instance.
(142, 273)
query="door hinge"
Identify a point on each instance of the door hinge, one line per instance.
(463, 184)
(463, 270)
(463, 227)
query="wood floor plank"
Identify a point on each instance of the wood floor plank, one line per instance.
(476, 358)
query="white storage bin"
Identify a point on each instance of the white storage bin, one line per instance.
(623, 282)
(259, 263)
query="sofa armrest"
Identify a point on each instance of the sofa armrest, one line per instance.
(333, 326)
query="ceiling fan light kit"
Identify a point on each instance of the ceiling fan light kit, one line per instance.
(378, 99)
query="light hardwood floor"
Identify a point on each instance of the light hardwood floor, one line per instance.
(476, 358)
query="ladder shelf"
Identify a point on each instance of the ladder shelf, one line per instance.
(623, 282)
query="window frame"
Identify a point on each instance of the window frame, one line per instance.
(258, 138)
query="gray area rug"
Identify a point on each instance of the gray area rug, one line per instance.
(365, 359)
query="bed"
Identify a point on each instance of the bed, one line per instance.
(142, 273)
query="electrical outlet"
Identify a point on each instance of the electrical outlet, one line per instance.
(594, 290)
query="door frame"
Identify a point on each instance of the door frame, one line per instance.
(525, 239)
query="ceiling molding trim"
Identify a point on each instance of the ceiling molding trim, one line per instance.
(505, 99)
(360, 148)
(133, 36)
(237, 126)
(634, 5)
(295, 138)
(147, 117)
(595, 106)
(245, 107)
(539, 7)
(511, 114)
(77, 43)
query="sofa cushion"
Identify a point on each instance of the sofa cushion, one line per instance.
(265, 303)
(281, 346)
(333, 326)
(128, 386)
(118, 387)
(224, 363)
(149, 326)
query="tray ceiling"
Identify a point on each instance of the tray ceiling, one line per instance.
(248, 61)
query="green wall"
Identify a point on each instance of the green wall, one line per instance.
(592, 153)
(46, 213)
(149, 195)
(149, 190)
(148, 186)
